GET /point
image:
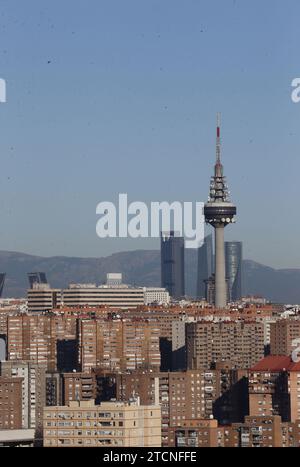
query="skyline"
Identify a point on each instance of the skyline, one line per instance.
(148, 82)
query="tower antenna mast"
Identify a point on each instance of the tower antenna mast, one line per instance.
(218, 141)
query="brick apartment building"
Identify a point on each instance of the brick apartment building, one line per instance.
(119, 345)
(282, 334)
(34, 337)
(274, 388)
(241, 343)
(189, 395)
(10, 403)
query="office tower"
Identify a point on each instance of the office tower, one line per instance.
(115, 424)
(283, 335)
(241, 343)
(42, 298)
(205, 265)
(10, 403)
(2, 280)
(234, 269)
(122, 295)
(219, 212)
(36, 278)
(172, 264)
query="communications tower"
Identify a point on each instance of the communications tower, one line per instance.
(219, 212)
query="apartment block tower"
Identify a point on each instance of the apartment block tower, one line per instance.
(241, 343)
(284, 336)
(117, 345)
(172, 264)
(10, 403)
(219, 212)
(33, 392)
(34, 338)
(274, 384)
(110, 424)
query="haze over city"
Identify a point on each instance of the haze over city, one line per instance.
(122, 97)
(149, 241)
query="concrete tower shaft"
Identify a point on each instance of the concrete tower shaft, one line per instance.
(219, 212)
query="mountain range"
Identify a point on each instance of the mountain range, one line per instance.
(142, 268)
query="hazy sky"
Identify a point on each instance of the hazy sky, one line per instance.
(108, 97)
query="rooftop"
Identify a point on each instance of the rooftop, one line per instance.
(276, 363)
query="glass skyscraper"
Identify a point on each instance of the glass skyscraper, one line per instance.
(36, 278)
(2, 280)
(172, 264)
(205, 265)
(233, 265)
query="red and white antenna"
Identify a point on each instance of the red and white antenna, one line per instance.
(218, 141)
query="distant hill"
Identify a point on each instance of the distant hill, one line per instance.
(140, 267)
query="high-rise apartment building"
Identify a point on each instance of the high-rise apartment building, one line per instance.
(197, 434)
(258, 431)
(172, 264)
(188, 395)
(10, 403)
(33, 390)
(241, 343)
(274, 388)
(34, 337)
(117, 345)
(283, 336)
(110, 424)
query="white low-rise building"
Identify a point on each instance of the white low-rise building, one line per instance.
(156, 295)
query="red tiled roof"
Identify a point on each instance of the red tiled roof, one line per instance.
(276, 363)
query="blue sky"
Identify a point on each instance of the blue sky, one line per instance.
(108, 97)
